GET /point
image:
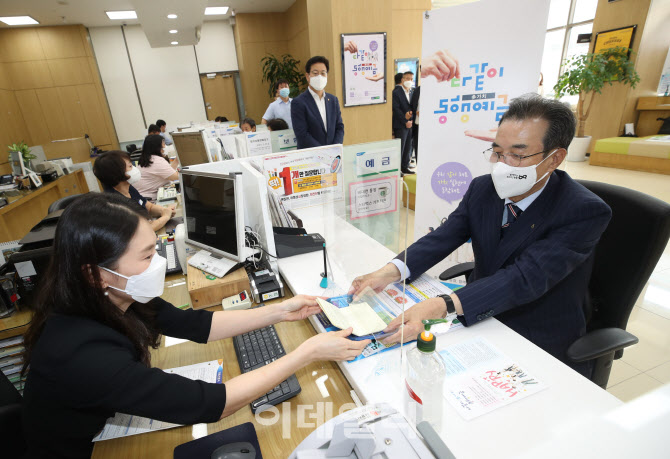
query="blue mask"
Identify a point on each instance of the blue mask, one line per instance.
(284, 92)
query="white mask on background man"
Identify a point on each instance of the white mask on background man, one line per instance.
(408, 84)
(284, 92)
(318, 82)
(134, 175)
(514, 181)
(148, 284)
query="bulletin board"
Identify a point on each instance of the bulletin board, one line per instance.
(613, 38)
(364, 68)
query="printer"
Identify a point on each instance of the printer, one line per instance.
(375, 431)
(32, 260)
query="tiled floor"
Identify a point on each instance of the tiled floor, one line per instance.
(646, 365)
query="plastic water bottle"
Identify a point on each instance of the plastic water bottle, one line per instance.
(425, 378)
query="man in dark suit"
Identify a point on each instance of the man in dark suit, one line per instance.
(316, 114)
(402, 119)
(415, 126)
(533, 231)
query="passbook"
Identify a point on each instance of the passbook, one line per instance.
(360, 316)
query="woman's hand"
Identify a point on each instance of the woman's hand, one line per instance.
(299, 307)
(332, 346)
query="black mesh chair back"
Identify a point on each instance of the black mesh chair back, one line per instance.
(62, 203)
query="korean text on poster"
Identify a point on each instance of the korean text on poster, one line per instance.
(373, 197)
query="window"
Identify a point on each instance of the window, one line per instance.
(567, 19)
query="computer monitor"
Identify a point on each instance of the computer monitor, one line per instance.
(214, 212)
(191, 148)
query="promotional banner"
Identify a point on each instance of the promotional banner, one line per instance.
(476, 58)
(363, 64)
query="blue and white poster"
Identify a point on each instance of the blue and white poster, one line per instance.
(363, 69)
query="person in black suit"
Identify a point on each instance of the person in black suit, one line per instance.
(533, 231)
(415, 126)
(315, 114)
(99, 313)
(402, 119)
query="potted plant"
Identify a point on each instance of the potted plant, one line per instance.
(585, 76)
(22, 148)
(287, 68)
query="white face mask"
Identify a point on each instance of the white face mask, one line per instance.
(408, 84)
(318, 82)
(514, 181)
(147, 285)
(134, 175)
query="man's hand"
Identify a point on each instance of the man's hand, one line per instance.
(442, 65)
(351, 47)
(377, 280)
(434, 308)
(408, 115)
(482, 134)
(408, 124)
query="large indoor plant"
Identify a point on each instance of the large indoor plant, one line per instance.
(585, 76)
(287, 68)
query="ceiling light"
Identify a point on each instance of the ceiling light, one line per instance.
(212, 10)
(121, 14)
(174, 42)
(172, 16)
(174, 31)
(18, 20)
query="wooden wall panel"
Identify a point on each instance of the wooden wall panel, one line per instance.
(74, 116)
(70, 71)
(18, 45)
(93, 114)
(62, 41)
(33, 116)
(606, 115)
(5, 81)
(11, 122)
(53, 112)
(29, 75)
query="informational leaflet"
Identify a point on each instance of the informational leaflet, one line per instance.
(259, 143)
(306, 177)
(388, 305)
(125, 425)
(373, 197)
(363, 58)
(480, 378)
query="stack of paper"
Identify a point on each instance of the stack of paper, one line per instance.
(360, 316)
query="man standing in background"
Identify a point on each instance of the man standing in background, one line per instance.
(281, 107)
(402, 119)
(315, 114)
(162, 125)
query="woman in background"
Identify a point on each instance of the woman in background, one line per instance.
(156, 168)
(118, 175)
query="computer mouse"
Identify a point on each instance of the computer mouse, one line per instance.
(239, 450)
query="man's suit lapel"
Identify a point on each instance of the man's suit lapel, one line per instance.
(315, 110)
(491, 224)
(531, 220)
(329, 110)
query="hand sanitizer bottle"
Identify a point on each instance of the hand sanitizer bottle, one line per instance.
(425, 377)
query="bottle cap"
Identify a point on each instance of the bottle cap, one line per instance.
(426, 341)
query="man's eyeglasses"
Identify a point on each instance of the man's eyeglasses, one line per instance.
(511, 159)
(316, 73)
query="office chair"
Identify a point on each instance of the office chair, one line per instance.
(130, 148)
(135, 155)
(62, 203)
(11, 402)
(625, 257)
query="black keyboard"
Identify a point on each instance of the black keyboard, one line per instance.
(256, 349)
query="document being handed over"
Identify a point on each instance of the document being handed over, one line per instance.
(360, 316)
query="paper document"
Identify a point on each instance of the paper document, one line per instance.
(480, 378)
(360, 316)
(124, 425)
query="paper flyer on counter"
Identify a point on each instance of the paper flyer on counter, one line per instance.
(125, 425)
(480, 378)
